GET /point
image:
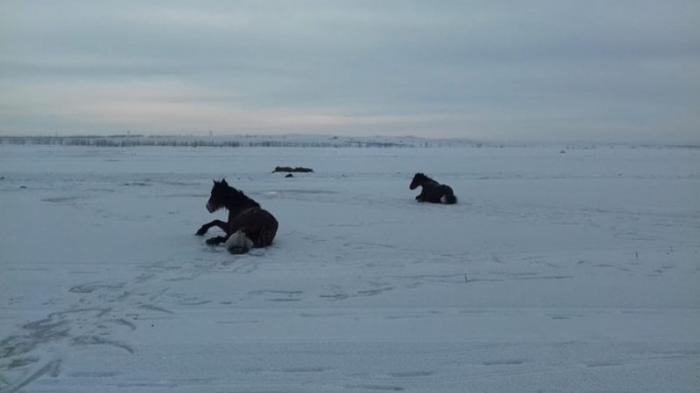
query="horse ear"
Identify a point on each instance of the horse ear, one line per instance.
(223, 181)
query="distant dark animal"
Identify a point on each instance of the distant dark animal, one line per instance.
(248, 224)
(289, 169)
(432, 191)
(289, 175)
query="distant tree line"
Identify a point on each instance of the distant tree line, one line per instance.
(184, 141)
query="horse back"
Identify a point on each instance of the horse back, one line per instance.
(444, 189)
(435, 192)
(258, 224)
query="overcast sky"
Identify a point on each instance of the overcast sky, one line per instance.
(496, 70)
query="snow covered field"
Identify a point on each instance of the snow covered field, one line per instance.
(555, 272)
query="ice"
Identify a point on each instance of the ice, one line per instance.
(575, 272)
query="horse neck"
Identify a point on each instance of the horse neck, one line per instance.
(429, 182)
(237, 201)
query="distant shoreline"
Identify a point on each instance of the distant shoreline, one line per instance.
(305, 141)
(301, 141)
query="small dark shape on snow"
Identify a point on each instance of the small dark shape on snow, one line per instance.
(289, 175)
(289, 169)
(248, 225)
(23, 187)
(562, 151)
(433, 191)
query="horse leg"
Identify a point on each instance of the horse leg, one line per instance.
(238, 243)
(213, 241)
(204, 228)
(264, 235)
(421, 197)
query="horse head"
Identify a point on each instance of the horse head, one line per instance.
(218, 195)
(223, 195)
(418, 180)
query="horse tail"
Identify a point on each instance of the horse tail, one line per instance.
(267, 235)
(448, 199)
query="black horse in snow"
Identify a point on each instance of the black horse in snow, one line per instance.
(248, 224)
(432, 191)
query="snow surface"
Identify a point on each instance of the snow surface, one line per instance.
(557, 271)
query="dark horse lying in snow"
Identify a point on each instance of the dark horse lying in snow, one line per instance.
(248, 224)
(432, 191)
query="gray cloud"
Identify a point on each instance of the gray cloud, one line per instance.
(558, 70)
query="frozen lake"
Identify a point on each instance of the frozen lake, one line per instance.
(556, 272)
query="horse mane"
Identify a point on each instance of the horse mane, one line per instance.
(236, 197)
(422, 177)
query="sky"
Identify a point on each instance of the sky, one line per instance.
(621, 71)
